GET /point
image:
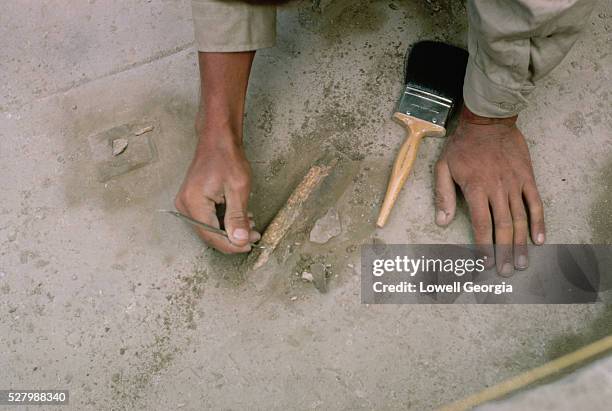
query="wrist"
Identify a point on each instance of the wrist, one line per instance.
(217, 132)
(472, 118)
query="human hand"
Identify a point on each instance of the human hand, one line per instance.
(489, 160)
(219, 173)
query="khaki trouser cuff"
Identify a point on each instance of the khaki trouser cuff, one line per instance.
(488, 99)
(228, 26)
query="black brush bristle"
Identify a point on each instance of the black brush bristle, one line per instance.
(437, 68)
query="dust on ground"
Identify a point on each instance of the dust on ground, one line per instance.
(333, 118)
(601, 211)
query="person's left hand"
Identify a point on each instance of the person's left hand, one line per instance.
(489, 160)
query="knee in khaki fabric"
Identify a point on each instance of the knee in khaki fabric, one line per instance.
(233, 25)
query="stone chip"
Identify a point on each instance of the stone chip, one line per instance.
(326, 227)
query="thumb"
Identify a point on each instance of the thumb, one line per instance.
(446, 198)
(236, 219)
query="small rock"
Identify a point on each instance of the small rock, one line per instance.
(306, 276)
(294, 298)
(119, 146)
(326, 227)
(319, 277)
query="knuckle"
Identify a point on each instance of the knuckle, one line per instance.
(178, 202)
(520, 240)
(242, 183)
(504, 224)
(236, 216)
(481, 227)
(520, 220)
(529, 178)
(439, 200)
(537, 209)
(188, 196)
(499, 183)
(471, 189)
(511, 182)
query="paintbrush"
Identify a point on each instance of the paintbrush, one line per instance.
(202, 225)
(433, 90)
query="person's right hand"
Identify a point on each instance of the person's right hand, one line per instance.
(219, 173)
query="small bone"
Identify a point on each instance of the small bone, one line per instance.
(294, 206)
(143, 130)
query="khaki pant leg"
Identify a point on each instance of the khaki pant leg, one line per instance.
(232, 25)
(512, 44)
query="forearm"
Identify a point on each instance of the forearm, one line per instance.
(220, 172)
(514, 43)
(224, 80)
(227, 34)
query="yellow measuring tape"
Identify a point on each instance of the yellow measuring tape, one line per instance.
(531, 376)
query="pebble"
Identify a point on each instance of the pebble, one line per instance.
(119, 146)
(326, 227)
(306, 276)
(319, 277)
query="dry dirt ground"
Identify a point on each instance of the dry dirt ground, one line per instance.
(123, 306)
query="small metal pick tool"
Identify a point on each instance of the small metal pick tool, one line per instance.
(204, 226)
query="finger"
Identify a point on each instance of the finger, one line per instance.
(521, 231)
(446, 198)
(205, 212)
(254, 236)
(504, 233)
(481, 224)
(536, 213)
(236, 217)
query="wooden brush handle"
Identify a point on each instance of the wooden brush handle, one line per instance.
(416, 130)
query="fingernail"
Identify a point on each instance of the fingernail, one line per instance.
(440, 217)
(506, 270)
(521, 262)
(241, 234)
(540, 238)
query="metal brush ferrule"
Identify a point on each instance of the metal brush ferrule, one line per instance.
(425, 106)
